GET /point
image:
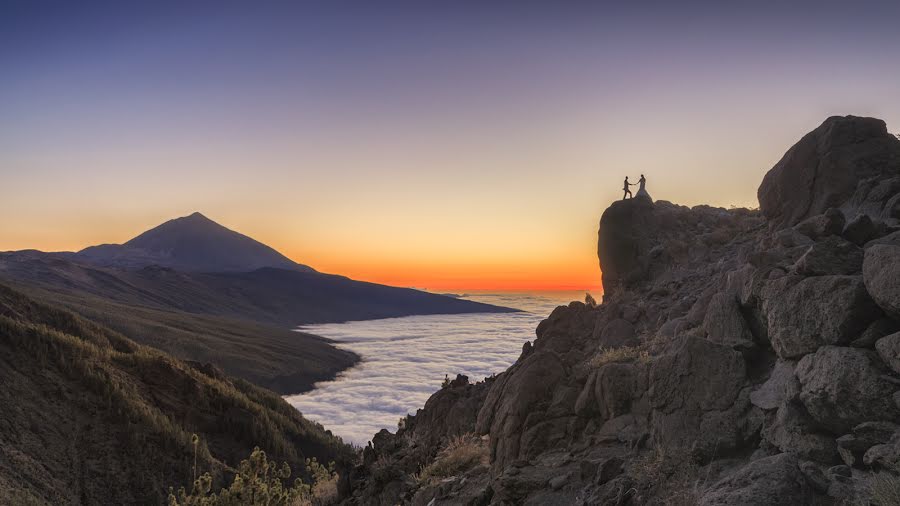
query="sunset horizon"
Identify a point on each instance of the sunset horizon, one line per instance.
(467, 253)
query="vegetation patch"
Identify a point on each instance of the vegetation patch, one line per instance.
(460, 455)
(622, 354)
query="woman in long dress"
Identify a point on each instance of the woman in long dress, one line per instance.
(642, 191)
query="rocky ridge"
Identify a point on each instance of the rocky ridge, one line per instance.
(739, 357)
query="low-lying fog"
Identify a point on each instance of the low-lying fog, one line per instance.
(405, 360)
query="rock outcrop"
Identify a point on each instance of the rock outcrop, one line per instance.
(739, 357)
(844, 157)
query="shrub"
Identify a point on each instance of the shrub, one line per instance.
(885, 489)
(261, 482)
(461, 454)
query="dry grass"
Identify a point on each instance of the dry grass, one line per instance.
(670, 475)
(462, 454)
(885, 489)
(623, 354)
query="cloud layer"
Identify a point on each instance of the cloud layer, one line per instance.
(405, 361)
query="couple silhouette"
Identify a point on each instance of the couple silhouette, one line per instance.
(642, 192)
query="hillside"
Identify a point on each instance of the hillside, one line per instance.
(90, 417)
(739, 357)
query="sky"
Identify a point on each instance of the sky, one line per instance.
(441, 145)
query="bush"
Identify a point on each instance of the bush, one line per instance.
(462, 454)
(261, 482)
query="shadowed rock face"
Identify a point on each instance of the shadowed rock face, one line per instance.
(738, 356)
(825, 167)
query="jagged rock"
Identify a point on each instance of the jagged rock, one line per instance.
(885, 455)
(617, 333)
(782, 386)
(843, 387)
(881, 271)
(829, 223)
(814, 476)
(891, 239)
(852, 447)
(624, 242)
(875, 331)
(770, 481)
(831, 255)
(892, 208)
(567, 328)
(514, 402)
(825, 167)
(791, 237)
(725, 324)
(817, 311)
(791, 431)
(449, 412)
(602, 471)
(695, 395)
(888, 349)
(860, 230)
(611, 390)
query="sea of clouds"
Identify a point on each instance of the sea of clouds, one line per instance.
(406, 359)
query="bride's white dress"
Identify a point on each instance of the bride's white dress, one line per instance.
(642, 192)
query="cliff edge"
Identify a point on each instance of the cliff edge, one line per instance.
(740, 357)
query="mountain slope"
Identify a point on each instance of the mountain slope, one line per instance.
(192, 243)
(90, 417)
(268, 295)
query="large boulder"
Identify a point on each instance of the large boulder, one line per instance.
(699, 398)
(770, 481)
(854, 446)
(881, 272)
(817, 311)
(831, 255)
(516, 400)
(781, 386)
(843, 387)
(611, 390)
(888, 348)
(823, 169)
(625, 238)
(725, 324)
(792, 431)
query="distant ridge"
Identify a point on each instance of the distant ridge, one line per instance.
(192, 243)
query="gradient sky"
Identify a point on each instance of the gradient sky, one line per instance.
(444, 145)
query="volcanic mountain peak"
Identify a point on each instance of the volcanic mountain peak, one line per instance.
(190, 243)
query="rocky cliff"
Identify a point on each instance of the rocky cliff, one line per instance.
(739, 358)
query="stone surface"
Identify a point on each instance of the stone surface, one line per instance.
(829, 223)
(792, 431)
(725, 324)
(823, 169)
(831, 255)
(818, 311)
(617, 333)
(860, 230)
(888, 349)
(694, 394)
(782, 386)
(881, 271)
(853, 447)
(611, 390)
(770, 481)
(843, 387)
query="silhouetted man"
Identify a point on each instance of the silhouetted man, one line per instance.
(627, 191)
